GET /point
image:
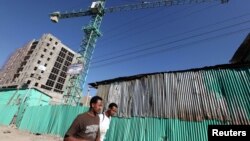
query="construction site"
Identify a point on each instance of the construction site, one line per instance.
(43, 82)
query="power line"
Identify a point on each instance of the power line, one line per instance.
(118, 38)
(172, 36)
(118, 28)
(171, 42)
(170, 49)
(129, 22)
(160, 24)
(140, 18)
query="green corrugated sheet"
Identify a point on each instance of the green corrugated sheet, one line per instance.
(232, 86)
(158, 129)
(49, 119)
(7, 113)
(12, 99)
(14, 96)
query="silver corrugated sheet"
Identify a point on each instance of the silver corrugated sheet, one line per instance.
(207, 94)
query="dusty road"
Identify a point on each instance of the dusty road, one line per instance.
(12, 134)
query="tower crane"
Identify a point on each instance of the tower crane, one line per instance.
(97, 10)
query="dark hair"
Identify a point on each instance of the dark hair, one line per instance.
(111, 105)
(94, 100)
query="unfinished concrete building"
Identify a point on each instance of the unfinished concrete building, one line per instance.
(13, 64)
(41, 64)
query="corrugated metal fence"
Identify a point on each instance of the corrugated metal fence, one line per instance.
(215, 94)
(56, 120)
(7, 113)
(16, 96)
(158, 129)
(50, 119)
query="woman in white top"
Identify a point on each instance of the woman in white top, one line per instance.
(105, 119)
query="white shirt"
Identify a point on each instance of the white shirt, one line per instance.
(104, 125)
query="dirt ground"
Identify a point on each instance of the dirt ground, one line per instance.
(12, 134)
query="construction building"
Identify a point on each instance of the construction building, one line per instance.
(243, 53)
(40, 64)
(85, 100)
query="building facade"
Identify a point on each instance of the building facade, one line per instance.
(243, 52)
(41, 64)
